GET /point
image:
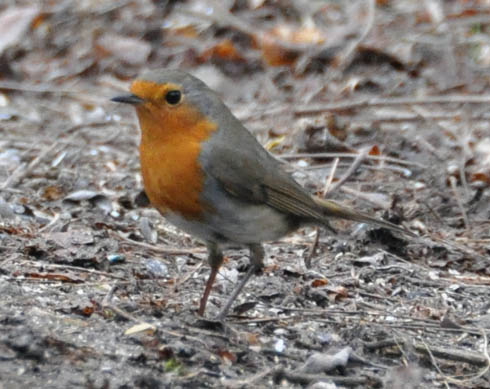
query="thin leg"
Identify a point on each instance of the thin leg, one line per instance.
(215, 259)
(256, 262)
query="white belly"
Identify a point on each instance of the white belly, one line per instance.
(243, 224)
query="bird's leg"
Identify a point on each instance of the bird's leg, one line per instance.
(256, 263)
(215, 259)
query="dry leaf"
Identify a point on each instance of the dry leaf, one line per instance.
(51, 193)
(282, 45)
(318, 283)
(375, 151)
(227, 356)
(225, 50)
(14, 23)
(129, 50)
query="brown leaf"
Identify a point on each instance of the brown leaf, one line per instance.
(227, 355)
(375, 151)
(253, 339)
(283, 44)
(225, 50)
(318, 283)
(51, 193)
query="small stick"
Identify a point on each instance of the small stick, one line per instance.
(326, 188)
(317, 231)
(248, 382)
(348, 56)
(355, 165)
(160, 249)
(377, 102)
(365, 197)
(74, 268)
(23, 170)
(451, 354)
(454, 188)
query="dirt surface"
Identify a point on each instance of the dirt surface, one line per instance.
(98, 291)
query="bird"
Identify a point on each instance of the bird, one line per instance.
(209, 176)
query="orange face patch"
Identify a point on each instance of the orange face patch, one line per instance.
(170, 147)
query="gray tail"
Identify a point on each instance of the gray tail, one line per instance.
(331, 209)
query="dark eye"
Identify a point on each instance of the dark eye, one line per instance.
(173, 97)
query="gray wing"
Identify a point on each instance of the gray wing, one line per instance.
(260, 180)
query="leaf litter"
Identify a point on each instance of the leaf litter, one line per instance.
(96, 281)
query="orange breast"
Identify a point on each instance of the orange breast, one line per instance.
(169, 153)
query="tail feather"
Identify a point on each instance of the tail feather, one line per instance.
(330, 209)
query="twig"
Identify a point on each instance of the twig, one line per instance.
(317, 230)
(454, 188)
(380, 101)
(397, 169)
(160, 249)
(122, 313)
(348, 56)
(355, 165)
(365, 197)
(51, 223)
(306, 379)
(187, 276)
(316, 314)
(410, 117)
(451, 354)
(70, 267)
(248, 382)
(326, 188)
(352, 155)
(129, 317)
(435, 364)
(108, 297)
(36, 88)
(13, 190)
(24, 169)
(468, 378)
(429, 241)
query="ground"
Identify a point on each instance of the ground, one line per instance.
(381, 105)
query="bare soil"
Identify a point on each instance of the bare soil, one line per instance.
(98, 291)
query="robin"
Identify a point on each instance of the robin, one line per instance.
(209, 176)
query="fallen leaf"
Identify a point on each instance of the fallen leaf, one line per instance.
(51, 193)
(318, 283)
(129, 50)
(375, 151)
(223, 50)
(283, 44)
(227, 356)
(14, 23)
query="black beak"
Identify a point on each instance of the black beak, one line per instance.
(128, 99)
